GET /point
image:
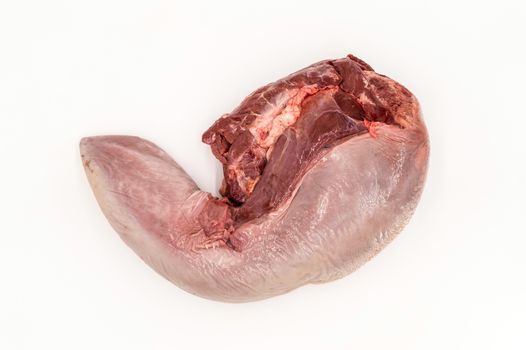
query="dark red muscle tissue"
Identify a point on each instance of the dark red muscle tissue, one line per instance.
(321, 170)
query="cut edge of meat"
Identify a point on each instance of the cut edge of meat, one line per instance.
(382, 101)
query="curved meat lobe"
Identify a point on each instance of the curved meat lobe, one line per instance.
(321, 170)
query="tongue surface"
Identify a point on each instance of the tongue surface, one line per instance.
(316, 183)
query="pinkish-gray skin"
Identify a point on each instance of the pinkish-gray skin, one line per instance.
(349, 196)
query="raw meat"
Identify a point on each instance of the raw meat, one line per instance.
(321, 170)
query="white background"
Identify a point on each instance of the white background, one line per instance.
(165, 70)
